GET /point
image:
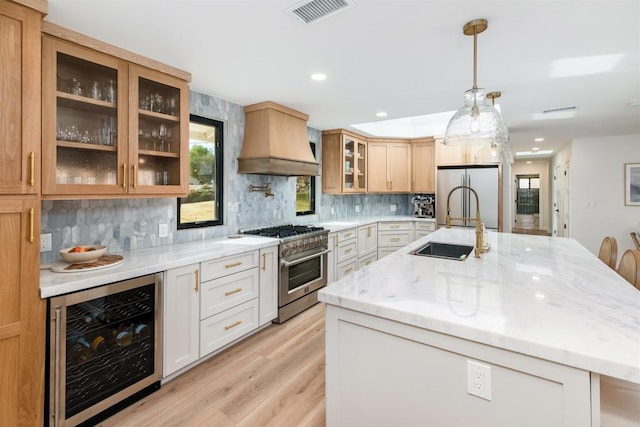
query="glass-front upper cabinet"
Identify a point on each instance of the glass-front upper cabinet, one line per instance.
(354, 160)
(159, 150)
(110, 128)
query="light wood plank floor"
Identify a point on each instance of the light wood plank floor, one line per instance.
(273, 378)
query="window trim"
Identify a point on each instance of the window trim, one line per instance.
(219, 165)
(312, 189)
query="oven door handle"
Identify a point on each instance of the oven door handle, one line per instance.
(303, 259)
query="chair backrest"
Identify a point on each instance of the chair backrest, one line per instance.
(629, 267)
(609, 251)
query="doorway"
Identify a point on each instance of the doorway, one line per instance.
(528, 201)
(561, 199)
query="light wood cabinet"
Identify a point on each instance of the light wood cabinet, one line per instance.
(20, 99)
(389, 167)
(111, 128)
(344, 163)
(423, 166)
(181, 318)
(22, 311)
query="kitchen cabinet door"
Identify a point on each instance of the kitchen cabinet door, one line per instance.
(268, 308)
(22, 314)
(389, 167)
(344, 163)
(20, 99)
(378, 167)
(423, 167)
(367, 239)
(332, 245)
(181, 341)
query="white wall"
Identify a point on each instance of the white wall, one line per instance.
(537, 167)
(597, 191)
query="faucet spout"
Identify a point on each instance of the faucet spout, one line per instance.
(479, 232)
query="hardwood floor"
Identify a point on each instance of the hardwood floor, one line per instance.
(273, 378)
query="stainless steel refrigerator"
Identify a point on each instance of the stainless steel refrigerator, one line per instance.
(484, 179)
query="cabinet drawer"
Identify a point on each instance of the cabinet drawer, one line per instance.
(221, 329)
(351, 233)
(367, 259)
(226, 292)
(228, 265)
(346, 268)
(383, 252)
(396, 238)
(394, 226)
(346, 250)
(425, 226)
(421, 234)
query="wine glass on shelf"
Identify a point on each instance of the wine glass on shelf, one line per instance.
(162, 135)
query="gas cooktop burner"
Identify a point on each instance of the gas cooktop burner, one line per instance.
(283, 231)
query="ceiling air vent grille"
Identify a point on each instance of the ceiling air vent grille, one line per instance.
(311, 11)
(559, 110)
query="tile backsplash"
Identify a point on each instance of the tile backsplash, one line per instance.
(129, 224)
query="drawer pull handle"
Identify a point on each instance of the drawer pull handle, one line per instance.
(347, 235)
(346, 251)
(197, 280)
(32, 169)
(124, 176)
(135, 175)
(395, 226)
(348, 270)
(31, 220)
(233, 264)
(233, 325)
(235, 291)
(264, 262)
(395, 239)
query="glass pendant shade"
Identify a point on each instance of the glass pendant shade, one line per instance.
(477, 122)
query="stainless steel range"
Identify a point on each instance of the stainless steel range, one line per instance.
(303, 266)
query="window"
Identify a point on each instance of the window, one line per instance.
(528, 197)
(202, 206)
(306, 192)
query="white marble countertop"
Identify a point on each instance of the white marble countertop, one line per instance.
(343, 224)
(148, 261)
(545, 297)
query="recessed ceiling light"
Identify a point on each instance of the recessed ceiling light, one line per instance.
(535, 148)
(529, 162)
(381, 114)
(539, 139)
(533, 153)
(318, 77)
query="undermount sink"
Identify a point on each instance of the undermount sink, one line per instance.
(444, 250)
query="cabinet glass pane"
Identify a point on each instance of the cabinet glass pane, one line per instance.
(360, 158)
(86, 79)
(156, 170)
(158, 98)
(349, 165)
(89, 167)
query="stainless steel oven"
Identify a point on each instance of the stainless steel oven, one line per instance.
(302, 275)
(104, 349)
(303, 266)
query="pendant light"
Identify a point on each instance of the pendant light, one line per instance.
(492, 151)
(477, 122)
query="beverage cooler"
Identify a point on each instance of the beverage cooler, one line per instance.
(104, 350)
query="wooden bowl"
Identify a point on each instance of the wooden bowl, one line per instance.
(89, 253)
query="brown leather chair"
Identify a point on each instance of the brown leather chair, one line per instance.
(609, 251)
(629, 267)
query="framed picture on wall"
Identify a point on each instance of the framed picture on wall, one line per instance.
(632, 184)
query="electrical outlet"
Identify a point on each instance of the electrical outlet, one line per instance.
(163, 230)
(392, 208)
(357, 208)
(479, 380)
(333, 211)
(45, 242)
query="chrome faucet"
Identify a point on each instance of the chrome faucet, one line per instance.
(479, 243)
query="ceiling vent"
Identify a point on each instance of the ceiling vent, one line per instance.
(559, 110)
(314, 10)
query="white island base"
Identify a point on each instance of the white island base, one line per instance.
(384, 373)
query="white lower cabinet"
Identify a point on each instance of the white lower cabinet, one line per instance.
(346, 267)
(365, 260)
(181, 308)
(222, 328)
(268, 284)
(424, 228)
(393, 235)
(213, 303)
(332, 245)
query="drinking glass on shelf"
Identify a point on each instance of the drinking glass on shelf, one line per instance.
(162, 134)
(110, 91)
(75, 87)
(96, 92)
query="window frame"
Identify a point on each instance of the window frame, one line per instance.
(219, 176)
(312, 189)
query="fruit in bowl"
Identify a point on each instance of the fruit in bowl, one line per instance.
(82, 253)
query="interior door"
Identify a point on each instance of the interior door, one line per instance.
(555, 220)
(485, 182)
(447, 180)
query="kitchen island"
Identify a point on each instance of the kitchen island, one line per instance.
(535, 326)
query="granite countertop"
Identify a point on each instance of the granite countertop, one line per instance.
(343, 224)
(148, 261)
(541, 296)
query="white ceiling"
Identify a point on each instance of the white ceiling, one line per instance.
(407, 58)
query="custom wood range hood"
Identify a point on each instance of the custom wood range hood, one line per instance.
(276, 142)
